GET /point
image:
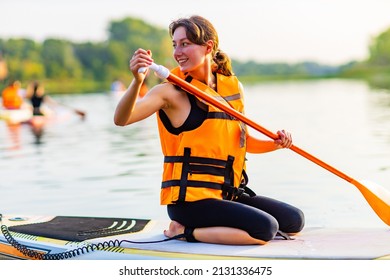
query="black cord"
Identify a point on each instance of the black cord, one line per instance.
(75, 252)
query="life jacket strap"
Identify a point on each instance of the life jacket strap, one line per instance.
(228, 188)
(202, 165)
(192, 184)
(196, 160)
(235, 193)
(219, 115)
(184, 174)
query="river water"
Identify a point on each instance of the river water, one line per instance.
(91, 167)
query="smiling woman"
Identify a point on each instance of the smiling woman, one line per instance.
(204, 174)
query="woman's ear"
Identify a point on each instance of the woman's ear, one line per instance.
(209, 46)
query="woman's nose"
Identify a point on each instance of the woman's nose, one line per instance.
(177, 50)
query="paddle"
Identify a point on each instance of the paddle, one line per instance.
(80, 113)
(76, 111)
(376, 196)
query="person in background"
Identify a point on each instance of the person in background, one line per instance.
(117, 86)
(11, 97)
(204, 181)
(36, 94)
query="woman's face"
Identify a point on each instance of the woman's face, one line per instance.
(188, 55)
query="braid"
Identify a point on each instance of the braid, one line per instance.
(223, 62)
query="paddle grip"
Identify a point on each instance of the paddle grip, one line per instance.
(160, 70)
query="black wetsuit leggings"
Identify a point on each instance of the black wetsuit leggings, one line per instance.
(260, 216)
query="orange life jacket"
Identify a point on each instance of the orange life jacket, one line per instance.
(209, 161)
(11, 98)
(144, 90)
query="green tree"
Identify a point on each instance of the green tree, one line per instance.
(59, 59)
(23, 58)
(93, 59)
(117, 60)
(379, 49)
(135, 33)
(22, 49)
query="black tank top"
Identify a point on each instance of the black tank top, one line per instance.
(36, 102)
(195, 118)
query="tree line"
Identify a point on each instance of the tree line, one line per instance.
(85, 66)
(67, 66)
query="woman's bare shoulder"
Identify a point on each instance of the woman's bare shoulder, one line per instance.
(168, 92)
(165, 86)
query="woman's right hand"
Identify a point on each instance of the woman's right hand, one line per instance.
(140, 58)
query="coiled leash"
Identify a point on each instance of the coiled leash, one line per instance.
(75, 252)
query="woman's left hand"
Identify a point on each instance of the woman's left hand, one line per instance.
(284, 140)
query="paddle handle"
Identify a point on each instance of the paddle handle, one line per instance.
(161, 71)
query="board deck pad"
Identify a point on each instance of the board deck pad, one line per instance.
(81, 228)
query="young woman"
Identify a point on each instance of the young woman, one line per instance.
(204, 179)
(38, 97)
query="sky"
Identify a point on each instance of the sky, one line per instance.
(324, 31)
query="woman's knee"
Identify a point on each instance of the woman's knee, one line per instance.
(295, 223)
(265, 230)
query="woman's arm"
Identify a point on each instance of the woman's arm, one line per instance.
(257, 146)
(130, 109)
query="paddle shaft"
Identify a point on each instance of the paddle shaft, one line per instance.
(197, 92)
(377, 197)
(76, 111)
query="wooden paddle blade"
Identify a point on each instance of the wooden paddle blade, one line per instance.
(80, 113)
(377, 196)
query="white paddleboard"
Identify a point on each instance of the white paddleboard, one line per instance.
(16, 116)
(43, 237)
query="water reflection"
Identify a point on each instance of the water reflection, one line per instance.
(379, 82)
(379, 113)
(13, 133)
(37, 128)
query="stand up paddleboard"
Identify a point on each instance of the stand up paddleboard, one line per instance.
(15, 116)
(61, 237)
